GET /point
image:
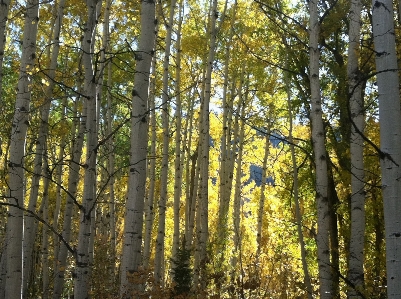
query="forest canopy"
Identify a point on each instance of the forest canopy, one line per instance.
(200, 149)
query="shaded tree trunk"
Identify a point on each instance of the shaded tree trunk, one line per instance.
(178, 151)
(44, 211)
(150, 198)
(356, 256)
(85, 233)
(30, 223)
(159, 253)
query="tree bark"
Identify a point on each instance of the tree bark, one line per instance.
(85, 233)
(30, 223)
(390, 142)
(16, 178)
(319, 149)
(203, 203)
(131, 251)
(356, 256)
(159, 253)
(150, 198)
(226, 165)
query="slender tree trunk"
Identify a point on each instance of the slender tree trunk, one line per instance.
(390, 142)
(190, 177)
(192, 199)
(356, 256)
(239, 133)
(111, 170)
(44, 211)
(318, 140)
(85, 233)
(131, 251)
(298, 215)
(30, 223)
(150, 199)
(159, 254)
(204, 152)
(16, 177)
(59, 197)
(226, 165)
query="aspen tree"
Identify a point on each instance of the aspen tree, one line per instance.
(239, 134)
(14, 234)
(226, 167)
(319, 150)
(111, 170)
(30, 223)
(85, 233)
(203, 204)
(159, 251)
(133, 220)
(111, 161)
(150, 198)
(356, 255)
(390, 142)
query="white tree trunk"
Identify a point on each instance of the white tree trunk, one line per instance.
(133, 221)
(226, 165)
(319, 149)
(390, 141)
(204, 152)
(150, 199)
(356, 257)
(83, 252)
(159, 254)
(17, 151)
(30, 223)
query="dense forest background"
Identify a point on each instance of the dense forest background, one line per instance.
(200, 149)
